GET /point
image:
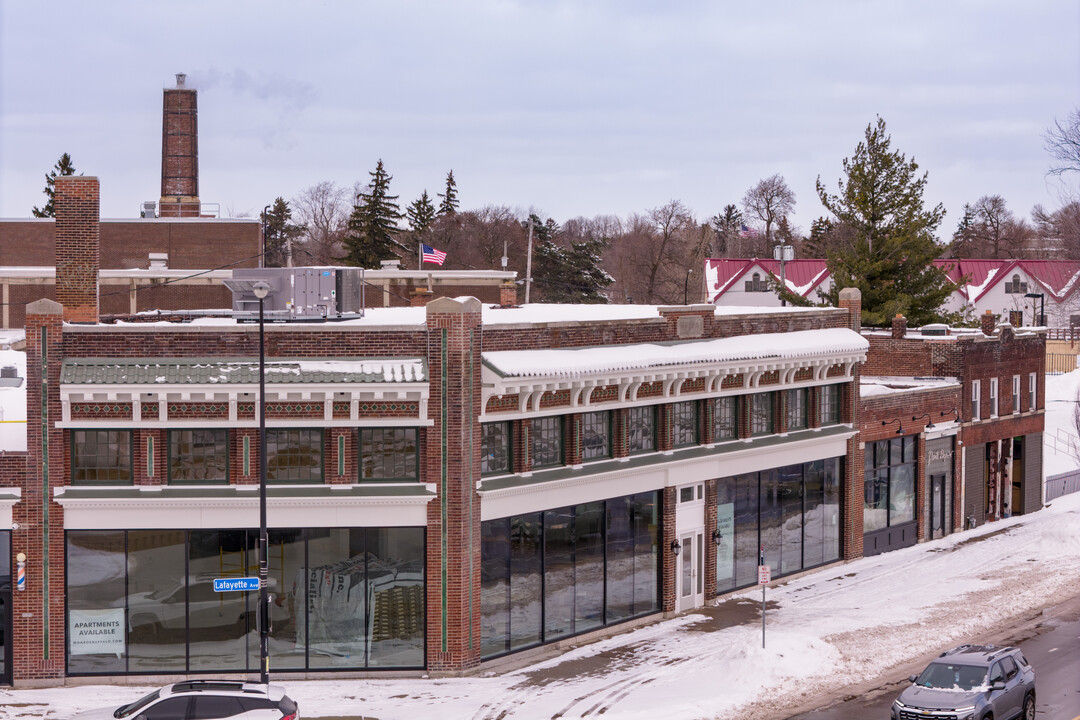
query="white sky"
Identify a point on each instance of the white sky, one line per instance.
(614, 106)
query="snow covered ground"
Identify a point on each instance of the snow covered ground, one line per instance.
(824, 631)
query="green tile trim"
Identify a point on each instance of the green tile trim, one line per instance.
(443, 509)
(149, 456)
(247, 456)
(340, 455)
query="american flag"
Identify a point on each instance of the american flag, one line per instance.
(747, 232)
(431, 255)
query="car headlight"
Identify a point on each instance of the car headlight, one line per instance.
(965, 713)
(898, 705)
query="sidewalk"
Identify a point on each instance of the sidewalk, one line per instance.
(825, 631)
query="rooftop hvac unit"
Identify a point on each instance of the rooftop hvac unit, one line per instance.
(149, 209)
(299, 293)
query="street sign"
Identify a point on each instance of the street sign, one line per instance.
(230, 584)
(764, 574)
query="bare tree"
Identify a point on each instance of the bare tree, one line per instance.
(324, 210)
(1062, 140)
(768, 201)
(1058, 232)
(988, 229)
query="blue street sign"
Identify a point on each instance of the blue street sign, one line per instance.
(230, 584)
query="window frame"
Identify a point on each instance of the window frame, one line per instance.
(172, 433)
(994, 397)
(648, 411)
(1016, 394)
(976, 400)
(559, 434)
(509, 449)
(716, 425)
(1033, 391)
(128, 433)
(800, 411)
(830, 403)
(363, 444)
(769, 398)
(297, 480)
(607, 430)
(691, 406)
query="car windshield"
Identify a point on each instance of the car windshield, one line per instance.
(948, 676)
(130, 709)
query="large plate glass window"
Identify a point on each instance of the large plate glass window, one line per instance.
(389, 454)
(199, 456)
(101, 457)
(684, 423)
(889, 483)
(547, 441)
(495, 448)
(641, 430)
(725, 418)
(294, 455)
(596, 435)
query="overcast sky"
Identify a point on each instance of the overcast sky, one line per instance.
(572, 108)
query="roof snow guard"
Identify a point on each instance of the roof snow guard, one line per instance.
(150, 385)
(532, 373)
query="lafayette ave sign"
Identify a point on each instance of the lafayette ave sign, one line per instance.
(228, 584)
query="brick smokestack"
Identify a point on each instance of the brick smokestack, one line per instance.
(78, 246)
(899, 327)
(180, 152)
(987, 323)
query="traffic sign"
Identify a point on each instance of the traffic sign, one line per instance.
(764, 574)
(230, 584)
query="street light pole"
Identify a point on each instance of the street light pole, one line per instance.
(261, 289)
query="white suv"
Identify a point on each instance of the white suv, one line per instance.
(205, 700)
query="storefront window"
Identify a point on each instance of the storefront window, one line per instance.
(598, 565)
(157, 616)
(96, 631)
(889, 483)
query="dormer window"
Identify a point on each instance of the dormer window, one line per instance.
(756, 284)
(1015, 287)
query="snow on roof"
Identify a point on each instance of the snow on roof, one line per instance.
(800, 276)
(577, 361)
(876, 385)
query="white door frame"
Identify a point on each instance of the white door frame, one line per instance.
(690, 532)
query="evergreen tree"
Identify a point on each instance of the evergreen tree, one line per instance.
(964, 238)
(279, 233)
(372, 232)
(567, 274)
(892, 247)
(421, 215)
(63, 167)
(726, 225)
(449, 204)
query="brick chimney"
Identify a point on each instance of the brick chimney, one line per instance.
(420, 297)
(180, 152)
(851, 300)
(899, 327)
(508, 295)
(78, 246)
(987, 322)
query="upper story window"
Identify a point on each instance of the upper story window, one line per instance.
(1015, 287)
(795, 411)
(641, 430)
(596, 435)
(101, 457)
(1033, 395)
(389, 454)
(761, 414)
(684, 423)
(993, 397)
(547, 441)
(756, 284)
(1016, 394)
(495, 447)
(294, 455)
(830, 404)
(725, 418)
(976, 399)
(199, 456)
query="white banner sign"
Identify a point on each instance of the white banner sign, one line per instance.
(96, 632)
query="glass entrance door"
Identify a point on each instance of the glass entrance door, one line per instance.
(690, 574)
(937, 506)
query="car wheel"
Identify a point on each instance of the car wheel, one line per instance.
(988, 716)
(1029, 707)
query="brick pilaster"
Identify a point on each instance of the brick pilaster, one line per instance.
(452, 464)
(37, 614)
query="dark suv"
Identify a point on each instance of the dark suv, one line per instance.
(202, 700)
(971, 682)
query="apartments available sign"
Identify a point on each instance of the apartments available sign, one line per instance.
(95, 632)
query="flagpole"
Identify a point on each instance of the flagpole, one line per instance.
(420, 255)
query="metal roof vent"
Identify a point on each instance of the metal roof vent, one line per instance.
(181, 79)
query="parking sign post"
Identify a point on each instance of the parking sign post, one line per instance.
(764, 576)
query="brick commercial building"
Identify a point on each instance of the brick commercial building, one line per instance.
(951, 426)
(448, 484)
